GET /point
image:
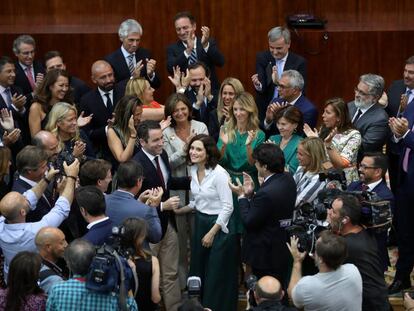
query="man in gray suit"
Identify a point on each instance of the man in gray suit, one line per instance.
(367, 116)
(121, 204)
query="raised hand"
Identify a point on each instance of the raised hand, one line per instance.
(207, 87)
(399, 126)
(176, 78)
(79, 148)
(150, 66)
(138, 68)
(200, 95)
(223, 135)
(309, 132)
(331, 135)
(6, 120)
(10, 138)
(205, 35)
(131, 127)
(256, 82)
(18, 101)
(275, 75)
(82, 121)
(250, 137)
(165, 123)
(294, 250)
(185, 79)
(248, 184)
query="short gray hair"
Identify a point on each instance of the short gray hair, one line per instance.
(129, 26)
(296, 79)
(375, 83)
(78, 256)
(22, 39)
(277, 32)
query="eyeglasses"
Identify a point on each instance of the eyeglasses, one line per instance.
(281, 86)
(358, 91)
(364, 167)
(27, 53)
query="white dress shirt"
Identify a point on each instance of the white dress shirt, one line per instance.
(213, 195)
(162, 165)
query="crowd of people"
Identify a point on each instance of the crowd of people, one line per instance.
(205, 184)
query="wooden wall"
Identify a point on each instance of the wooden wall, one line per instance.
(362, 36)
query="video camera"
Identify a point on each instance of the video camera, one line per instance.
(110, 272)
(310, 218)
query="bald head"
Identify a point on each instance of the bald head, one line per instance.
(14, 207)
(51, 243)
(268, 288)
(48, 142)
(103, 75)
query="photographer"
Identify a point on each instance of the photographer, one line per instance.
(66, 295)
(337, 286)
(344, 219)
(372, 170)
(268, 294)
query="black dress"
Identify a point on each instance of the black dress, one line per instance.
(144, 272)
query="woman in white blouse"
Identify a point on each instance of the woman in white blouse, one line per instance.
(176, 136)
(213, 256)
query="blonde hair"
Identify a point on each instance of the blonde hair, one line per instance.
(237, 87)
(58, 114)
(314, 148)
(136, 87)
(246, 101)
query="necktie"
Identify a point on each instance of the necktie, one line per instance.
(279, 65)
(364, 187)
(131, 65)
(357, 115)
(159, 172)
(28, 72)
(9, 100)
(193, 57)
(109, 105)
(406, 156)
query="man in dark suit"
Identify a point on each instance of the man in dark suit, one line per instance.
(264, 243)
(290, 86)
(403, 132)
(31, 164)
(399, 95)
(190, 49)
(54, 60)
(101, 103)
(122, 204)
(29, 72)
(130, 59)
(367, 116)
(270, 66)
(92, 206)
(12, 99)
(372, 170)
(157, 172)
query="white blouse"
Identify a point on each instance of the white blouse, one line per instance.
(213, 196)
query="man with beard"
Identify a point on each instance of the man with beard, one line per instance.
(367, 116)
(100, 103)
(372, 170)
(344, 219)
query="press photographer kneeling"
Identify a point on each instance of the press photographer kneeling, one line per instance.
(345, 219)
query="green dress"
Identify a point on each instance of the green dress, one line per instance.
(235, 162)
(290, 151)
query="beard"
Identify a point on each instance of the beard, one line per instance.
(361, 104)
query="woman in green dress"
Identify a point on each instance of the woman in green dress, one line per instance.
(238, 138)
(289, 120)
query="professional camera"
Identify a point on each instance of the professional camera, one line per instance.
(194, 287)
(110, 272)
(63, 156)
(250, 285)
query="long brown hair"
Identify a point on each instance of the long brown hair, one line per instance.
(134, 229)
(341, 111)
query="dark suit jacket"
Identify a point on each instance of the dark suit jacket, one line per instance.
(43, 205)
(264, 243)
(92, 102)
(99, 233)
(407, 180)
(213, 58)
(79, 88)
(21, 120)
(121, 205)
(381, 190)
(264, 63)
(394, 93)
(373, 126)
(152, 180)
(308, 109)
(121, 70)
(22, 81)
(192, 97)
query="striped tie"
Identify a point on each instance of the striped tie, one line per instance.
(131, 65)
(193, 57)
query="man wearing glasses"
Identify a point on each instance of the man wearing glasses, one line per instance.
(290, 87)
(367, 116)
(29, 73)
(372, 171)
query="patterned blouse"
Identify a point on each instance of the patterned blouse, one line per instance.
(32, 303)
